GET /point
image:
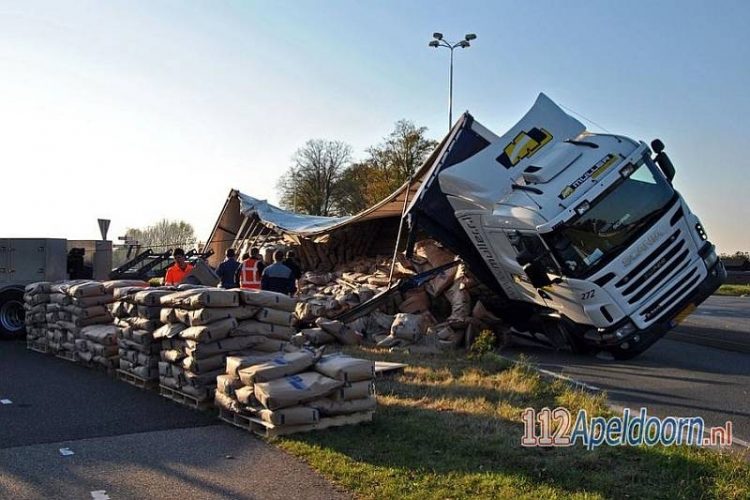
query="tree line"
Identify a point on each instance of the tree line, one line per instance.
(164, 235)
(325, 180)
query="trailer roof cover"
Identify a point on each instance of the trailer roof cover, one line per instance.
(285, 220)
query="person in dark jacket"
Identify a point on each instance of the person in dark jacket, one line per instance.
(227, 270)
(291, 263)
(277, 277)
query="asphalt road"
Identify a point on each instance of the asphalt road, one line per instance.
(685, 374)
(126, 442)
(722, 322)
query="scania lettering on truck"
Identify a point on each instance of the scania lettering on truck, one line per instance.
(582, 236)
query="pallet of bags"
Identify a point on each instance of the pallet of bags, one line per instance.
(137, 312)
(274, 320)
(87, 305)
(35, 301)
(96, 346)
(200, 331)
(61, 331)
(296, 392)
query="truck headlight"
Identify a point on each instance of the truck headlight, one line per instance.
(708, 254)
(710, 259)
(625, 330)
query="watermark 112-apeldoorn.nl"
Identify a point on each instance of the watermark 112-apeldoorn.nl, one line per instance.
(557, 427)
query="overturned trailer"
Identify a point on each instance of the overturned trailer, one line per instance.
(321, 242)
(581, 238)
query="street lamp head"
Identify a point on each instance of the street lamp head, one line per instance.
(463, 44)
(470, 36)
(434, 44)
(437, 36)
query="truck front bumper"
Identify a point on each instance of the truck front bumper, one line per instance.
(638, 341)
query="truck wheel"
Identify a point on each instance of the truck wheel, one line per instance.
(574, 338)
(12, 314)
(579, 346)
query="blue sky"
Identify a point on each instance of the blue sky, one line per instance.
(141, 110)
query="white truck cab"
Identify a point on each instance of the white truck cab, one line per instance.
(583, 235)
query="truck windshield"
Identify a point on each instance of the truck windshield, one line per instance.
(615, 219)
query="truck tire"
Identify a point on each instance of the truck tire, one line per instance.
(12, 314)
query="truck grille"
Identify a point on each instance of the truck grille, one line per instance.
(669, 259)
(676, 291)
(665, 276)
(670, 263)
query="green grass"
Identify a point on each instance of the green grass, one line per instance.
(449, 427)
(733, 290)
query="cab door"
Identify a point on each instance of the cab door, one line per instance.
(522, 241)
(563, 295)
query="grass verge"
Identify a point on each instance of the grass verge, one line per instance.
(733, 290)
(449, 427)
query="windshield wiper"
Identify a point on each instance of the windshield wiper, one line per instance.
(526, 188)
(583, 143)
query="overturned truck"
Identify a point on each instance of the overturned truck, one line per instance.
(578, 239)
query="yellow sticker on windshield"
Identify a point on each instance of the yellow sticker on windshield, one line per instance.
(610, 160)
(593, 173)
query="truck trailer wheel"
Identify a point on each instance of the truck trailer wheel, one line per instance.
(12, 314)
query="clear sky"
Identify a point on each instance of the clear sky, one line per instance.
(139, 110)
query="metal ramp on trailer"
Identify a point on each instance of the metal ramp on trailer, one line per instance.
(149, 264)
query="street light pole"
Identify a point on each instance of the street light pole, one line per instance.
(450, 95)
(439, 41)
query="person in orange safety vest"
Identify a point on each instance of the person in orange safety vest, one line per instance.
(181, 268)
(251, 271)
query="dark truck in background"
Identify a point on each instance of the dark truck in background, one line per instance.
(28, 260)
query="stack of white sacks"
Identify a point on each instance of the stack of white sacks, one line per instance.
(78, 318)
(298, 388)
(59, 338)
(137, 312)
(35, 301)
(91, 313)
(205, 325)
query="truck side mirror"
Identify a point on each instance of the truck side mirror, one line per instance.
(661, 159)
(537, 275)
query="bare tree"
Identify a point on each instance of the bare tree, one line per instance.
(312, 184)
(164, 235)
